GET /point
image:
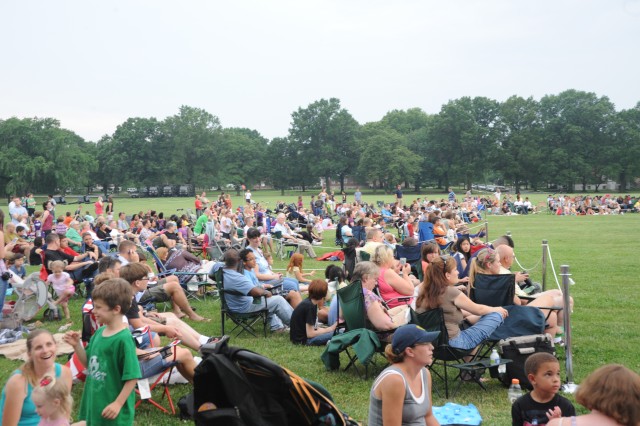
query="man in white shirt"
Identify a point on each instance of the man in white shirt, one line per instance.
(290, 236)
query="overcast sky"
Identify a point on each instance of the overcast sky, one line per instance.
(94, 64)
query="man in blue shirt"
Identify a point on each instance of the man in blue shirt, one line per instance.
(358, 196)
(279, 309)
(452, 195)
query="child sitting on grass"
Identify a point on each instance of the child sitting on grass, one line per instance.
(294, 270)
(110, 356)
(53, 402)
(305, 325)
(543, 403)
(63, 285)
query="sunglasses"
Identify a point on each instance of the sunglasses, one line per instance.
(445, 258)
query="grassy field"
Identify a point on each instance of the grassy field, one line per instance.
(600, 250)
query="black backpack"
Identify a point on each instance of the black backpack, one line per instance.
(234, 386)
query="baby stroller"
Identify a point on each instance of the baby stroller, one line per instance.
(255, 391)
(294, 216)
(32, 295)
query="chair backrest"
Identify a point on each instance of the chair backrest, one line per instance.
(411, 253)
(425, 231)
(359, 233)
(432, 320)
(159, 265)
(351, 300)
(493, 290)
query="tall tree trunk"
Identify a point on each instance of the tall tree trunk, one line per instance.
(282, 191)
(341, 182)
(622, 178)
(327, 183)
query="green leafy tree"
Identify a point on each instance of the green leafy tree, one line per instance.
(520, 157)
(625, 164)
(385, 159)
(282, 164)
(242, 156)
(191, 146)
(324, 133)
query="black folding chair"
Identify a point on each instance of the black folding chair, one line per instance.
(245, 321)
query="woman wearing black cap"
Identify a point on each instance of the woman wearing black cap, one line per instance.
(401, 395)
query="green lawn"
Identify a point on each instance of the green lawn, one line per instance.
(601, 251)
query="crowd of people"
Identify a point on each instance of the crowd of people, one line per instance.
(103, 252)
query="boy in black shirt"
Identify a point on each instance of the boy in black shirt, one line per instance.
(304, 319)
(543, 403)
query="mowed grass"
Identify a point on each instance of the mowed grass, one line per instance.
(600, 250)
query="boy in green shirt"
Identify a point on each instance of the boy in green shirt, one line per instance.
(113, 366)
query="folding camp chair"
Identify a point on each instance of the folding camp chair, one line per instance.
(446, 356)
(245, 321)
(281, 244)
(191, 288)
(499, 290)
(351, 301)
(425, 231)
(155, 376)
(412, 254)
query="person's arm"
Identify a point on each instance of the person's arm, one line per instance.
(463, 302)
(73, 339)
(265, 277)
(314, 332)
(430, 419)
(300, 277)
(392, 393)
(379, 317)
(76, 265)
(401, 284)
(259, 292)
(14, 400)
(112, 410)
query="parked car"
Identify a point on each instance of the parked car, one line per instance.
(168, 191)
(130, 190)
(153, 191)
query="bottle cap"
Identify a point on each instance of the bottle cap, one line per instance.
(515, 381)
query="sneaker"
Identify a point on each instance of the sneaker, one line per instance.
(281, 330)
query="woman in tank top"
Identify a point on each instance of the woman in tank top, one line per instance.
(401, 395)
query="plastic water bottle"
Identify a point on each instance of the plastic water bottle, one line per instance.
(515, 391)
(494, 357)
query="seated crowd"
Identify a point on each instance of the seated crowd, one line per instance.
(105, 254)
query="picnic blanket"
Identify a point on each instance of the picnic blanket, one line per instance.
(18, 350)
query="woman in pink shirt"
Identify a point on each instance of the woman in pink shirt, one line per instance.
(395, 281)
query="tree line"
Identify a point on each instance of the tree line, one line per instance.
(574, 137)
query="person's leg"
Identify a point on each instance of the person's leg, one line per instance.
(280, 308)
(473, 336)
(305, 246)
(3, 292)
(65, 309)
(320, 340)
(186, 363)
(294, 298)
(274, 321)
(548, 300)
(179, 298)
(189, 336)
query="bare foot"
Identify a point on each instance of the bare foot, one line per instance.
(198, 318)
